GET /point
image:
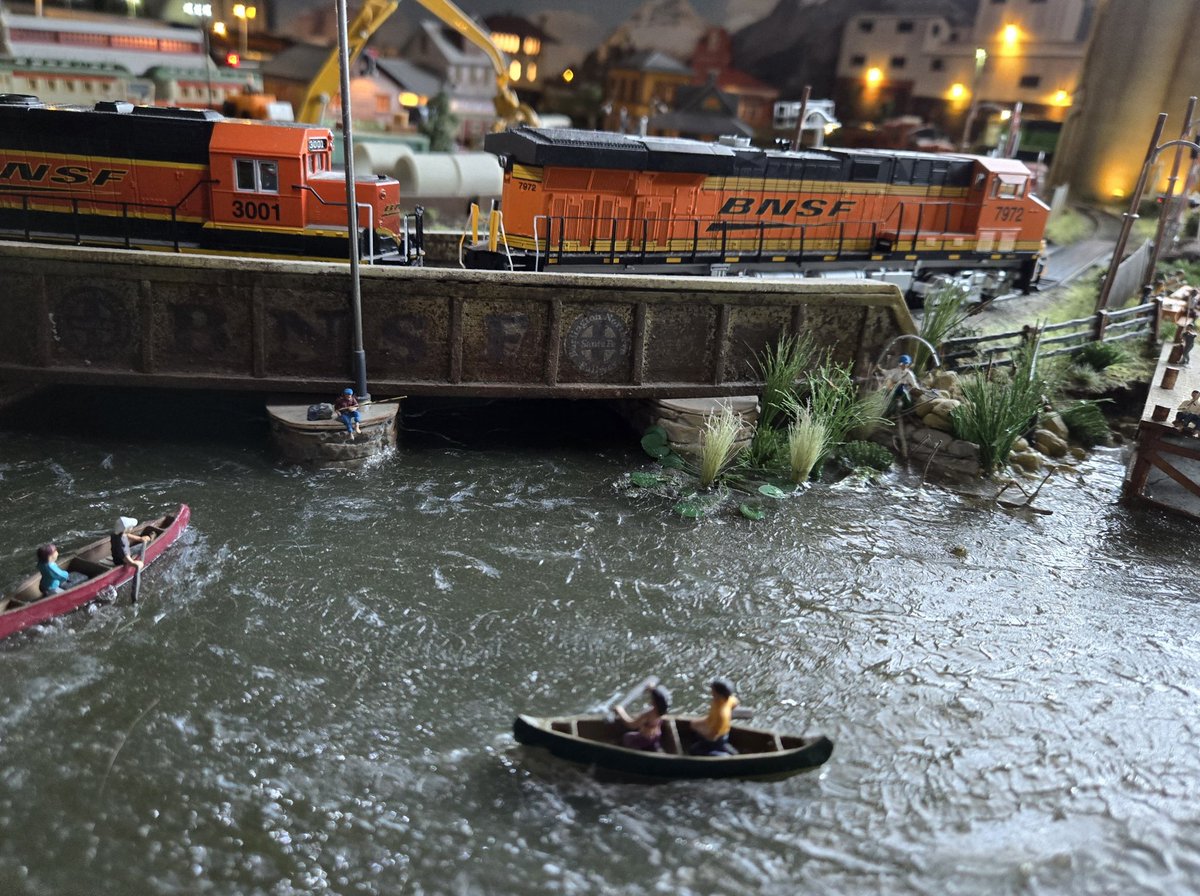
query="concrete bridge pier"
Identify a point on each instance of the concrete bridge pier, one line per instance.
(322, 444)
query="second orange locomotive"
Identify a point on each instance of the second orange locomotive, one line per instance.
(599, 201)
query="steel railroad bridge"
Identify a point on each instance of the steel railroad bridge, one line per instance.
(122, 318)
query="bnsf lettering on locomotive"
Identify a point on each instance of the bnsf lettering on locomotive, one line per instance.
(63, 174)
(809, 208)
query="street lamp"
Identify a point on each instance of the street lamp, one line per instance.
(244, 14)
(1135, 200)
(980, 61)
(203, 11)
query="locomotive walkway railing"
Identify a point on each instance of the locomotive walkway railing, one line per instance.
(998, 349)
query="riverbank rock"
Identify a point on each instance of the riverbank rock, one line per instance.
(932, 450)
(683, 419)
(1052, 422)
(1050, 444)
(945, 381)
(1028, 460)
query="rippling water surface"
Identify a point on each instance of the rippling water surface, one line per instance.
(316, 690)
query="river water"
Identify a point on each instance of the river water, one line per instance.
(315, 692)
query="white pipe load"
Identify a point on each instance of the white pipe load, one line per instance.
(466, 175)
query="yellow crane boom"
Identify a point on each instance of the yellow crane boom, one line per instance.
(372, 14)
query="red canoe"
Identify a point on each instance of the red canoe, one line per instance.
(25, 605)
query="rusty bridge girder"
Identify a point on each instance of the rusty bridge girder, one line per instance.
(97, 316)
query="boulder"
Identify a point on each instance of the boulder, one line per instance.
(937, 421)
(944, 381)
(944, 407)
(1021, 444)
(1053, 422)
(1029, 461)
(1049, 444)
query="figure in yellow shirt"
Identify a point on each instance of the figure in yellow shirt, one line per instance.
(713, 730)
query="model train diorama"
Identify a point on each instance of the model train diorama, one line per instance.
(585, 200)
(191, 180)
(188, 180)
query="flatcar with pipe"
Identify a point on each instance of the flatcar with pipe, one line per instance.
(596, 201)
(188, 180)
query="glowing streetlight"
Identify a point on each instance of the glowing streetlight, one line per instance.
(568, 76)
(874, 76)
(244, 14)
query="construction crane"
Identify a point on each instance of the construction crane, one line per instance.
(509, 109)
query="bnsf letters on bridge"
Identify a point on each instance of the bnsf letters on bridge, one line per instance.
(809, 208)
(63, 174)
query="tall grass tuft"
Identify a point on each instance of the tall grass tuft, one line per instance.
(807, 442)
(1087, 424)
(718, 448)
(944, 312)
(780, 368)
(995, 413)
(834, 400)
(1099, 355)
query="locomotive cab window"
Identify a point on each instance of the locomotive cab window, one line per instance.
(1008, 187)
(257, 176)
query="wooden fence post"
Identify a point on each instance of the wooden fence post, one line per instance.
(1101, 324)
(1156, 323)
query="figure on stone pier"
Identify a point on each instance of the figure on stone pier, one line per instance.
(346, 407)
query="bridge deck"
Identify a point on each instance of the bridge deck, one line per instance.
(160, 319)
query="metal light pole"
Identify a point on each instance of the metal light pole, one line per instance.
(1130, 216)
(980, 61)
(359, 356)
(1167, 211)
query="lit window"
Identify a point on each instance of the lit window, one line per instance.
(531, 71)
(514, 70)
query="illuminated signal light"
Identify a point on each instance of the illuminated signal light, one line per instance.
(233, 60)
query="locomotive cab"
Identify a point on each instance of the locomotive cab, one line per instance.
(275, 185)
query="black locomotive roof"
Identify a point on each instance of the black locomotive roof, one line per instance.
(568, 147)
(113, 130)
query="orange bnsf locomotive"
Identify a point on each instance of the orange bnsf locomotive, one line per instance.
(585, 200)
(187, 180)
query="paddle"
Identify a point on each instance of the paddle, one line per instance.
(137, 581)
(650, 682)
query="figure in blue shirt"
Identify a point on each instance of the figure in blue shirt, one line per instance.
(53, 576)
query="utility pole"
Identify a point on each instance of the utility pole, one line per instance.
(359, 356)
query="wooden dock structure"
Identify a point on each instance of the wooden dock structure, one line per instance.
(1165, 468)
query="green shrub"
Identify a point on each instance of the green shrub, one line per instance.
(865, 454)
(1083, 378)
(1099, 355)
(1086, 423)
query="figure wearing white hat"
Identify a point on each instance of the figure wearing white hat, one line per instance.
(122, 554)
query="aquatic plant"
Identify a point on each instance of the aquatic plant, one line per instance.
(832, 396)
(807, 442)
(718, 448)
(869, 455)
(994, 413)
(945, 311)
(1086, 423)
(780, 368)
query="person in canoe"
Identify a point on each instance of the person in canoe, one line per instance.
(122, 552)
(713, 730)
(53, 576)
(645, 730)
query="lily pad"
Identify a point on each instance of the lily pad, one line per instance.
(671, 461)
(751, 513)
(771, 491)
(643, 479)
(654, 442)
(689, 510)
